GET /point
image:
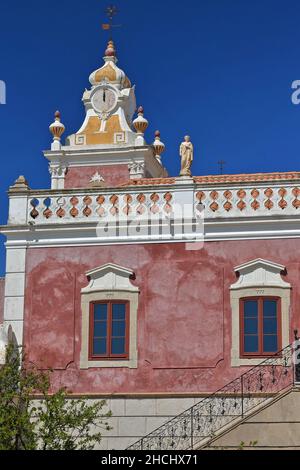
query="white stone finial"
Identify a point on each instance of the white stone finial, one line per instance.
(159, 146)
(110, 52)
(140, 124)
(20, 184)
(57, 129)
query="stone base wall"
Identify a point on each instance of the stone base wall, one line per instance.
(134, 418)
(274, 427)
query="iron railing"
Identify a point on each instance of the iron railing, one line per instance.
(212, 415)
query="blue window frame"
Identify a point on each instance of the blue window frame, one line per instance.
(109, 328)
(260, 320)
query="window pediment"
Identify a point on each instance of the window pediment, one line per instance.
(109, 277)
(258, 273)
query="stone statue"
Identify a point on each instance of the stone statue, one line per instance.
(187, 156)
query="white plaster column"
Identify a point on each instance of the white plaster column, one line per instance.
(15, 291)
(58, 174)
(15, 262)
(18, 193)
(136, 170)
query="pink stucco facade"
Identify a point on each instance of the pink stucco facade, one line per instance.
(113, 175)
(184, 313)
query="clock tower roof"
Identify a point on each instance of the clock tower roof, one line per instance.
(109, 71)
(110, 145)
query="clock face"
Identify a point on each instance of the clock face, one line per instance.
(104, 100)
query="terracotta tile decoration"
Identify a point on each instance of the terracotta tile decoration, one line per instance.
(74, 211)
(255, 193)
(141, 198)
(246, 178)
(255, 204)
(282, 192)
(241, 204)
(228, 194)
(100, 199)
(268, 192)
(168, 197)
(34, 213)
(87, 211)
(227, 205)
(47, 213)
(141, 209)
(200, 196)
(296, 193)
(101, 210)
(154, 197)
(128, 200)
(214, 206)
(296, 203)
(282, 203)
(60, 213)
(114, 201)
(214, 195)
(149, 182)
(241, 193)
(226, 199)
(217, 179)
(269, 204)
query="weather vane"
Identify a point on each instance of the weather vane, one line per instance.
(111, 11)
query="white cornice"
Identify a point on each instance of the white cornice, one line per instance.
(81, 234)
(91, 156)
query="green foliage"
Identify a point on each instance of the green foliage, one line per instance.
(53, 422)
(243, 444)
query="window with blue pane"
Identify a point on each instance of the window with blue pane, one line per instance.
(260, 326)
(109, 330)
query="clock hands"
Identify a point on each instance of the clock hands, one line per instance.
(104, 99)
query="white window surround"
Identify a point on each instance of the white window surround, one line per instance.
(109, 282)
(258, 277)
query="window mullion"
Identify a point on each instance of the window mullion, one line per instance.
(260, 326)
(109, 328)
(242, 321)
(92, 326)
(278, 321)
(126, 329)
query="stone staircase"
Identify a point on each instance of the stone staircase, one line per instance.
(218, 413)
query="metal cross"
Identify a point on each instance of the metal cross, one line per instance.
(111, 11)
(221, 163)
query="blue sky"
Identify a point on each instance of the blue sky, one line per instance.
(219, 70)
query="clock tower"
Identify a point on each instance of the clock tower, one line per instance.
(110, 147)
